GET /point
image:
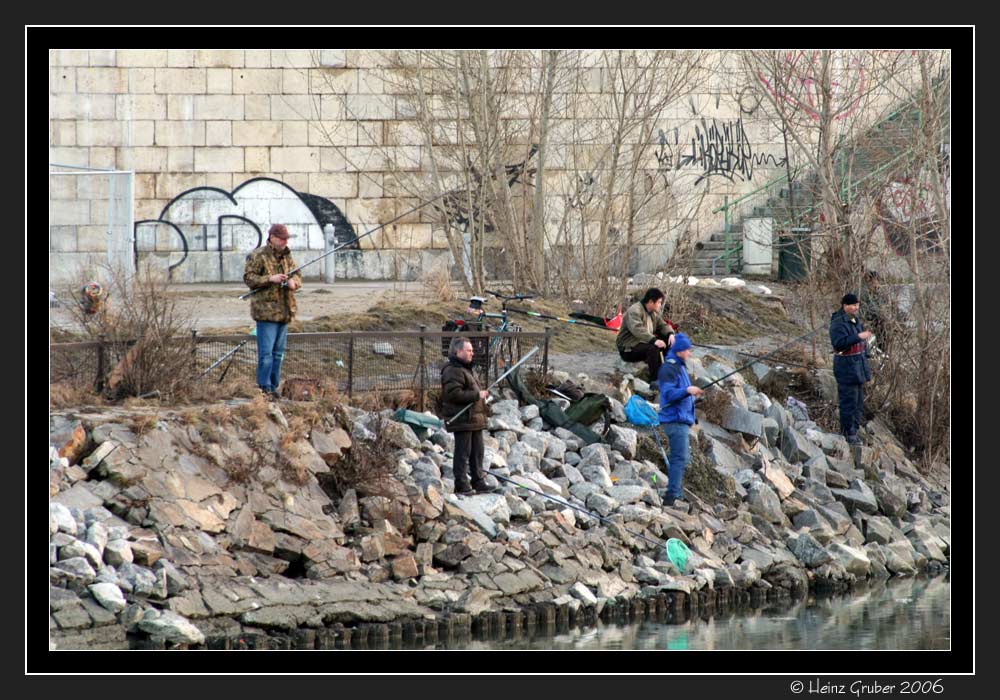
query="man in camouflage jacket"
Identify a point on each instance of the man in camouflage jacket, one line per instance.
(267, 268)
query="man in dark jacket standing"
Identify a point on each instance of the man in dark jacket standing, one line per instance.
(459, 388)
(274, 306)
(644, 335)
(677, 396)
(850, 365)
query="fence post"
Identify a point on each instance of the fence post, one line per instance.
(99, 380)
(350, 366)
(423, 367)
(545, 353)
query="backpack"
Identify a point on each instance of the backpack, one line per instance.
(480, 345)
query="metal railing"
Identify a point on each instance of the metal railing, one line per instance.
(356, 362)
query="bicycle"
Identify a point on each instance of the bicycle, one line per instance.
(499, 353)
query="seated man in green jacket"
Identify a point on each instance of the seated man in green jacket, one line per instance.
(644, 335)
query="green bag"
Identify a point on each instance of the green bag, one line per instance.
(550, 411)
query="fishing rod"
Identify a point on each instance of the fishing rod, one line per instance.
(574, 321)
(747, 354)
(222, 359)
(582, 510)
(762, 357)
(348, 243)
(498, 380)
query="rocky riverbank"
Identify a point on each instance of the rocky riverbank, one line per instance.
(308, 525)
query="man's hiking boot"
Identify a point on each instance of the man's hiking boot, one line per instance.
(484, 488)
(464, 490)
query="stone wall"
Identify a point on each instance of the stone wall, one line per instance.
(225, 142)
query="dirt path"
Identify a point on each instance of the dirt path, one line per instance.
(217, 307)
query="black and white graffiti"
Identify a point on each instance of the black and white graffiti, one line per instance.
(724, 150)
(231, 224)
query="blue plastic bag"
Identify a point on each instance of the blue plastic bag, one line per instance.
(639, 412)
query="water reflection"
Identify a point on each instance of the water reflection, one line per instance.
(901, 614)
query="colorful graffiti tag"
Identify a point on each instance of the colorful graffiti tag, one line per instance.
(799, 85)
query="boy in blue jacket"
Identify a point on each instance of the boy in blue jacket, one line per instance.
(677, 396)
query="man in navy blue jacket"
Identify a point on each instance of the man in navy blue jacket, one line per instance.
(677, 396)
(850, 365)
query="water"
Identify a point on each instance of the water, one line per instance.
(900, 614)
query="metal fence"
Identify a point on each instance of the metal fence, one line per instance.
(355, 362)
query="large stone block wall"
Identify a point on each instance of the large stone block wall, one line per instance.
(225, 142)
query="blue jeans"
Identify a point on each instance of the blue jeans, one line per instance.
(680, 455)
(271, 339)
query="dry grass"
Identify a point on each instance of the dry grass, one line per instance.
(775, 385)
(142, 423)
(437, 285)
(714, 404)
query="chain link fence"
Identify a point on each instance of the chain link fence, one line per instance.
(355, 362)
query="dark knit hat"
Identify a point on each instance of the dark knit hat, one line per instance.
(278, 231)
(849, 299)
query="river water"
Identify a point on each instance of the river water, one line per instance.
(899, 614)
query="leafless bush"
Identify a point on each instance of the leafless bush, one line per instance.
(148, 340)
(366, 467)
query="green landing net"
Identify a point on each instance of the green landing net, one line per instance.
(678, 553)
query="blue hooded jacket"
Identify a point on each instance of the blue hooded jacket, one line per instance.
(676, 405)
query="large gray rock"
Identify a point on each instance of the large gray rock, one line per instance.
(82, 549)
(772, 431)
(627, 494)
(837, 516)
(722, 457)
(891, 500)
(858, 498)
(927, 543)
(880, 531)
(579, 591)
(65, 521)
(109, 596)
(780, 415)
(625, 440)
(171, 627)
(854, 559)
(815, 524)
(583, 491)
(78, 569)
(599, 503)
(764, 501)
(97, 536)
(142, 581)
(796, 447)
(596, 471)
(899, 558)
(808, 550)
(743, 421)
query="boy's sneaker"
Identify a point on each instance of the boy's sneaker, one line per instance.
(853, 440)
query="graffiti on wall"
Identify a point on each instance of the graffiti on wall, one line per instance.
(716, 149)
(210, 219)
(908, 218)
(798, 83)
